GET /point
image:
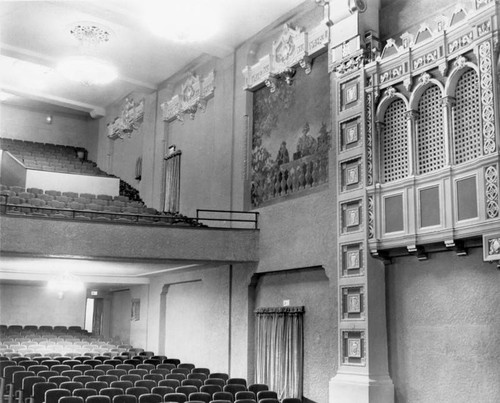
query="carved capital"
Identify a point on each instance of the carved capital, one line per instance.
(448, 101)
(412, 115)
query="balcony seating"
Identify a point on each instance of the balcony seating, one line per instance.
(86, 206)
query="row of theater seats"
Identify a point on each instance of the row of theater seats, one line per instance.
(83, 206)
(148, 379)
(51, 157)
(32, 341)
(35, 329)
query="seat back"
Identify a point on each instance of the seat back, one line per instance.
(71, 399)
(84, 392)
(136, 391)
(150, 398)
(202, 396)
(98, 399)
(39, 389)
(111, 392)
(53, 395)
(162, 390)
(176, 397)
(266, 394)
(124, 399)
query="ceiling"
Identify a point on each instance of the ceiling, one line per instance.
(35, 35)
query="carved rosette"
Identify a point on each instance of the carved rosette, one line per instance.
(488, 115)
(492, 203)
(195, 93)
(369, 140)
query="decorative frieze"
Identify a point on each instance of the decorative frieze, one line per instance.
(369, 139)
(195, 92)
(131, 116)
(492, 192)
(294, 47)
(488, 114)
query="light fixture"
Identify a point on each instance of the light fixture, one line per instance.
(4, 96)
(182, 21)
(48, 119)
(86, 68)
(65, 283)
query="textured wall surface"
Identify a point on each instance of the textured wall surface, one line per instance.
(311, 289)
(119, 321)
(197, 316)
(36, 305)
(444, 329)
(121, 241)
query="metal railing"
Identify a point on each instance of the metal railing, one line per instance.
(230, 219)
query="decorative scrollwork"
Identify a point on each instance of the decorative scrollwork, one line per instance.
(371, 218)
(485, 66)
(491, 179)
(369, 140)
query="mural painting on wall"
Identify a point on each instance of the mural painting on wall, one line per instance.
(291, 135)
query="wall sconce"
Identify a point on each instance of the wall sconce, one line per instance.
(48, 119)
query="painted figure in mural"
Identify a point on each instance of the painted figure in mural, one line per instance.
(282, 157)
(307, 144)
(323, 139)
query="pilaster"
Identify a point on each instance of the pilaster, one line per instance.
(362, 375)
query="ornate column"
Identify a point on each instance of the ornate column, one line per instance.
(362, 374)
(412, 119)
(448, 104)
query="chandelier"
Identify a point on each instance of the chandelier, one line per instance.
(86, 68)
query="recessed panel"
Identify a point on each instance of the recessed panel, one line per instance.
(467, 198)
(393, 213)
(429, 207)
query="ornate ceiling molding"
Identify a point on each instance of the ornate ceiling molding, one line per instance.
(131, 116)
(294, 47)
(194, 95)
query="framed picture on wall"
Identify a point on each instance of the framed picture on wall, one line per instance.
(135, 313)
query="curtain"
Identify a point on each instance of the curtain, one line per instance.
(98, 316)
(172, 182)
(279, 350)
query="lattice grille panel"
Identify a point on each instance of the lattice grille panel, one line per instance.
(431, 152)
(467, 119)
(395, 143)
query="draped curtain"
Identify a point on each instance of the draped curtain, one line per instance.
(97, 316)
(279, 350)
(172, 182)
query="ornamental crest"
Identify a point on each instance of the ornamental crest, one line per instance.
(194, 94)
(130, 118)
(289, 49)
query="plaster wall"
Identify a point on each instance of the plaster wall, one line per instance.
(406, 15)
(119, 321)
(309, 288)
(65, 129)
(196, 316)
(36, 305)
(139, 328)
(206, 141)
(444, 329)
